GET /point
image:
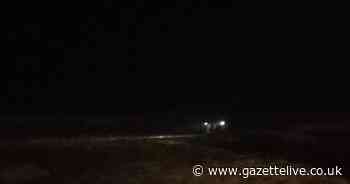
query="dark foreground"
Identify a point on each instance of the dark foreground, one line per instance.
(158, 160)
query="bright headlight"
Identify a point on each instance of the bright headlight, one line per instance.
(222, 123)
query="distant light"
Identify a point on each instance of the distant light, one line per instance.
(161, 137)
(205, 123)
(222, 123)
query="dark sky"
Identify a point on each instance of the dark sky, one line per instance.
(112, 58)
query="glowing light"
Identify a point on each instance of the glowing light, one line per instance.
(205, 123)
(222, 123)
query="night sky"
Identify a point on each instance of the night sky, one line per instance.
(112, 59)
